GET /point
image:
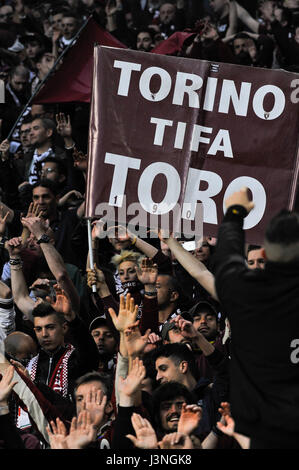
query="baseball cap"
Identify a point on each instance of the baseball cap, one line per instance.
(166, 328)
(203, 305)
(97, 322)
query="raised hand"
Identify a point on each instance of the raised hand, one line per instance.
(70, 197)
(120, 232)
(176, 440)
(98, 229)
(132, 383)
(240, 198)
(64, 127)
(82, 431)
(56, 35)
(4, 150)
(148, 272)
(153, 338)
(57, 434)
(20, 367)
(186, 327)
(3, 219)
(95, 276)
(134, 341)
(41, 284)
(127, 313)
(189, 419)
(6, 385)
(95, 404)
(36, 225)
(164, 235)
(34, 210)
(227, 423)
(62, 303)
(80, 160)
(145, 435)
(14, 246)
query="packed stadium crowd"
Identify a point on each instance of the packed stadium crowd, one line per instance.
(161, 344)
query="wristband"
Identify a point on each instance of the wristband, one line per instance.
(15, 261)
(43, 239)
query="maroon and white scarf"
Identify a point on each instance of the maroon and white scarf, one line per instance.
(59, 379)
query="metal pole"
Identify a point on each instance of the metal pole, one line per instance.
(91, 260)
(46, 78)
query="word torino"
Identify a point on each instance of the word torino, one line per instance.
(189, 84)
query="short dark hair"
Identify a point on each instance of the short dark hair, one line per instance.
(44, 309)
(60, 164)
(70, 14)
(178, 352)
(44, 183)
(241, 36)
(27, 120)
(150, 31)
(172, 282)
(39, 56)
(168, 392)
(282, 237)
(46, 123)
(283, 228)
(105, 379)
(253, 247)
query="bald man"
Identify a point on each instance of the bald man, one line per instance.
(20, 347)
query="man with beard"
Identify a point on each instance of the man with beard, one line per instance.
(145, 40)
(106, 343)
(168, 400)
(176, 363)
(253, 49)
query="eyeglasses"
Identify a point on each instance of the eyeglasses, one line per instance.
(45, 171)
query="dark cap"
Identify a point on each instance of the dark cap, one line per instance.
(97, 322)
(203, 306)
(166, 328)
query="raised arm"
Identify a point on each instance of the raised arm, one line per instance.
(233, 18)
(247, 19)
(194, 267)
(54, 260)
(18, 283)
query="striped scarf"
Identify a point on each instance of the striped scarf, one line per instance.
(59, 379)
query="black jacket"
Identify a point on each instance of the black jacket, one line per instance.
(85, 357)
(263, 308)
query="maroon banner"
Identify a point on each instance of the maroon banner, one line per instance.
(168, 132)
(73, 80)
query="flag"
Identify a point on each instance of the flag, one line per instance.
(173, 45)
(73, 80)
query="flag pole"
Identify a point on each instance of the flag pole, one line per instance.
(46, 77)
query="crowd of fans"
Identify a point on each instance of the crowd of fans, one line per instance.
(135, 351)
